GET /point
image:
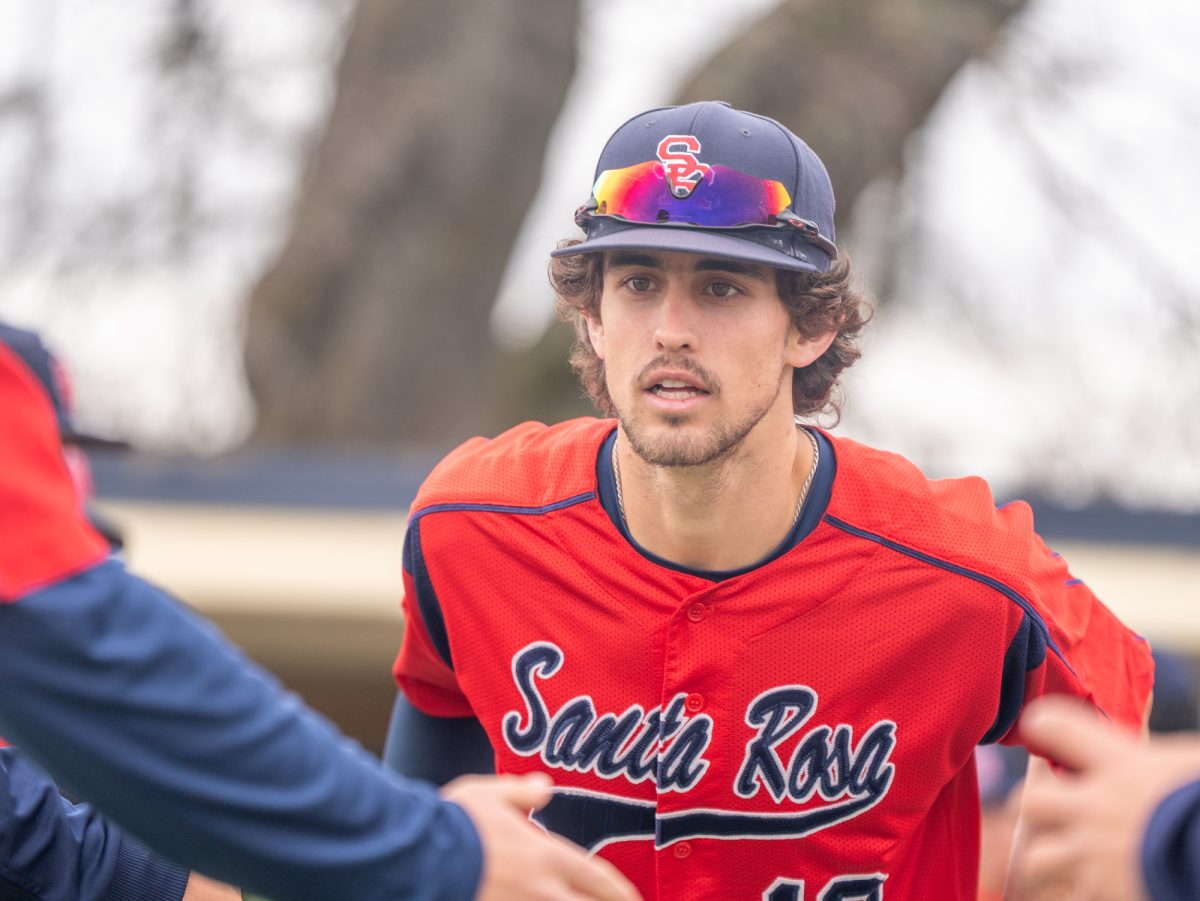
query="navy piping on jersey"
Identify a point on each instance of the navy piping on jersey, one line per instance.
(414, 561)
(506, 508)
(814, 509)
(1009, 593)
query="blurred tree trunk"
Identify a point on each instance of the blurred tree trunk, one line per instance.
(853, 78)
(372, 326)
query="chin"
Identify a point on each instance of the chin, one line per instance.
(678, 444)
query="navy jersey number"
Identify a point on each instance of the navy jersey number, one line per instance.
(839, 888)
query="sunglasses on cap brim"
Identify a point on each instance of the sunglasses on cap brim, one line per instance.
(722, 198)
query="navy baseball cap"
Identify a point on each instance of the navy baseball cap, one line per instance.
(706, 178)
(33, 353)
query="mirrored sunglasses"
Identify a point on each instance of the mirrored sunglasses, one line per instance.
(722, 198)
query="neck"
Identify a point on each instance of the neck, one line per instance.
(724, 515)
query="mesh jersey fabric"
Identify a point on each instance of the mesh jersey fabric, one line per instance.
(808, 723)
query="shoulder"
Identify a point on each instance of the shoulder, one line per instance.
(955, 521)
(530, 465)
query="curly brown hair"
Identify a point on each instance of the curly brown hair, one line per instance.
(818, 303)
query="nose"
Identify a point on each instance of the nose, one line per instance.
(675, 328)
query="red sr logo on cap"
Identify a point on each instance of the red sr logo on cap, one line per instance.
(678, 156)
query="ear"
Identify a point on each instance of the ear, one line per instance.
(595, 330)
(802, 351)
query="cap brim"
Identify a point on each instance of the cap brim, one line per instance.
(694, 240)
(95, 442)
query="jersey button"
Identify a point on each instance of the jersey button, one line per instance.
(697, 612)
(682, 851)
(694, 704)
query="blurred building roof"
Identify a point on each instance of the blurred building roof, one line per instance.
(389, 481)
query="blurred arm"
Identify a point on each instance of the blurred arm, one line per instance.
(145, 710)
(1171, 847)
(53, 850)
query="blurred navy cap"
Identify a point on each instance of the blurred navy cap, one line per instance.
(29, 347)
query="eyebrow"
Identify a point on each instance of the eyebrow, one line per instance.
(713, 264)
(622, 260)
(634, 260)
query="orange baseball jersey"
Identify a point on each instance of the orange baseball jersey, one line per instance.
(801, 729)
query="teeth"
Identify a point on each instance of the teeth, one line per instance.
(676, 393)
(673, 383)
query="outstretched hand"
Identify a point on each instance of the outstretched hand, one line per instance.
(201, 888)
(1083, 829)
(521, 861)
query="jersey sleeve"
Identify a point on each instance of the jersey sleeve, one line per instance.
(54, 850)
(424, 668)
(1068, 642)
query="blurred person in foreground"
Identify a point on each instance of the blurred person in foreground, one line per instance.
(57, 849)
(138, 705)
(1122, 823)
(757, 657)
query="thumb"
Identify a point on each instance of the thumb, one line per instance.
(1070, 733)
(531, 791)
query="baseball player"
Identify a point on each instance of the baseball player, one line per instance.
(145, 710)
(756, 657)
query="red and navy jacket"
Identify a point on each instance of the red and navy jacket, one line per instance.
(809, 721)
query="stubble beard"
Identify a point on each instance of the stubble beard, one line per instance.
(679, 448)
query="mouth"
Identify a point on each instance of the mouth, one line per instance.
(676, 389)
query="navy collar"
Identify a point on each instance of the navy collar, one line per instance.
(814, 509)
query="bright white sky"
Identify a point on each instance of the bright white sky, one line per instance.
(1041, 345)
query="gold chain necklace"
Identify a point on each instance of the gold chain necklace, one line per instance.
(812, 472)
(616, 468)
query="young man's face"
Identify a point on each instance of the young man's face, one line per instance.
(697, 351)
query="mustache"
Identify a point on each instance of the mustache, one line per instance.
(708, 381)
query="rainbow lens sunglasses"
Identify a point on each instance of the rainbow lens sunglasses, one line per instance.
(719, 198)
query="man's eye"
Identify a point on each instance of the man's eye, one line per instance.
(722, 289)
(638, 283)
